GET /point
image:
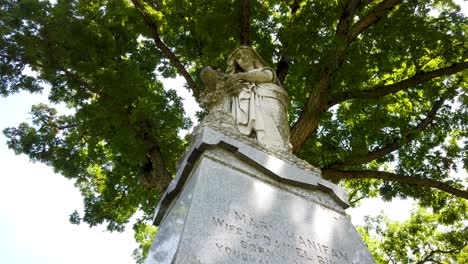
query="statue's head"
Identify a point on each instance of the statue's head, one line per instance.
(244, 53)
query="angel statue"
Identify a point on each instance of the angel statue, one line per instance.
(251, 94)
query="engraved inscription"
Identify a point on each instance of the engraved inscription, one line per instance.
(252, 222)
(258, 241)
(241, 254)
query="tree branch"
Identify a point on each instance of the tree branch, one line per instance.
(317, 102)
(344, 24)
(153, 27)
(67, 72)
(353, 196)
(353, 202)
(294, 6)
(82, 82)
(397, 142)
(381, 90)
(342, 30)
(332, 174)
(282, 67)
(155, 173)
(63, 127)
(309, 118)
(373, 17)
(245, 24)
(439, 251)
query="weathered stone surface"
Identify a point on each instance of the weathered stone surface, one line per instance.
(251, 93)
(232, 203)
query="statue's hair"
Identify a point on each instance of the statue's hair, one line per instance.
(232, 64)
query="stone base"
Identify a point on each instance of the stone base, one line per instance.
(231, 203)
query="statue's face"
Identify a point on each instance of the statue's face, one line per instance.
(245, 62)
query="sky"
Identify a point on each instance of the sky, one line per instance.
(35, 204)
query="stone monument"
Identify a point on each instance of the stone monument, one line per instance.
(239, 196)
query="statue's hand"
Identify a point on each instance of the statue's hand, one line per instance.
(234, 89)
(232, 84)
(237, 77)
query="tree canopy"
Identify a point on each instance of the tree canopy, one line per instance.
(379, 100)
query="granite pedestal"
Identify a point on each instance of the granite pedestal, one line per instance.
(233, 203)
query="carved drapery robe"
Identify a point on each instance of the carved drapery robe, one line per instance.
(260, 110)
(258, 106)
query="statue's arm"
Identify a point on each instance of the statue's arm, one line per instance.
(261, 75)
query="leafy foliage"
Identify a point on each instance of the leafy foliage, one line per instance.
(381, 110)
(420, 239)
(144, 235)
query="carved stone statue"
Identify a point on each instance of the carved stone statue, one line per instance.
(251, 94)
